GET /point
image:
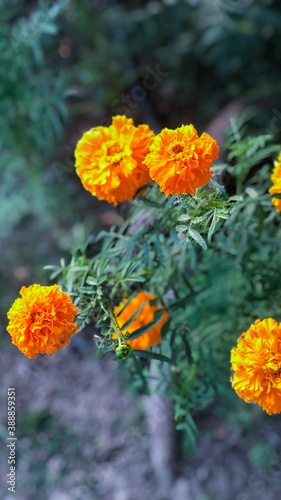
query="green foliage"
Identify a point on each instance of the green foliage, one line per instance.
(245, 151)
(212, 291)
(225, 50)
(206, 209)
(33, 114)
(32, 109)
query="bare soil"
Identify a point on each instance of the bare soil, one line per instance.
(82, 436)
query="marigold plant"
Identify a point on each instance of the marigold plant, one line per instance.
(276, 179)
(256, 362)
(190, 268)
(42, 320)
(180, 161)
(110, 160)
(124, 312)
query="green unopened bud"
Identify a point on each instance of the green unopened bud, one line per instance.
(123, 351)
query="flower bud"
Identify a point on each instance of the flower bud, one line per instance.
(123, 351)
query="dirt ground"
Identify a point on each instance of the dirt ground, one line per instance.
(80, 436)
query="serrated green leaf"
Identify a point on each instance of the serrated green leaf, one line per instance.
(222, 214)
(181, 228)
(251, 192)
(187, 349)
(184, 217)
(170, 201)
(152, 355)
(55, 274)
(212, 226)
(91, 281)
(198, 238)
(198, 220)
(151, 203)
(86, 291)
(135, 279)
(191, 423)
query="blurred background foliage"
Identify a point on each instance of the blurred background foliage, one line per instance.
(69, 65)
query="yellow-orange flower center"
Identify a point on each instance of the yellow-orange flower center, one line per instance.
(177, 148)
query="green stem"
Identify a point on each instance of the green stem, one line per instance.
(140, 372)
(239, 184)
(117, 328)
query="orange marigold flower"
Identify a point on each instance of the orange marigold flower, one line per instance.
(145, 316)
(256, 362)
(276, 179)
(179, 160)
(109, 160)
(41, 322)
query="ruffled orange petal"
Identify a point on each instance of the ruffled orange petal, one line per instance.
(180, 161)
(110, 160)
(41, 321)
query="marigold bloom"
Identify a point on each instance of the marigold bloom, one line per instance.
(179, 160)
(109, 160)
(256, 362)
(276, 179)
(145, 316)
(41, 322)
